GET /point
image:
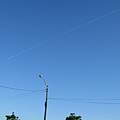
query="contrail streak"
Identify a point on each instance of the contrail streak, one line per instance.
(63, 34)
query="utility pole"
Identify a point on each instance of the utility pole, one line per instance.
(46, 101)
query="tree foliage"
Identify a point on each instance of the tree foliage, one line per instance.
(73, 117)
(11, 117)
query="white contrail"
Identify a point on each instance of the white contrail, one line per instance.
(63, 33)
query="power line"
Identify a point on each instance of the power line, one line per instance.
(92, 101)
(77, 99)
(17, 96)
(21, 89)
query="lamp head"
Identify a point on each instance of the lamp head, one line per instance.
(40, 76)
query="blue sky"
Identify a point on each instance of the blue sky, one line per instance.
(74, 44)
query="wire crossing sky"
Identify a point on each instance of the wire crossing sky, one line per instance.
(89, 22)
(20, 89)
(90, 101)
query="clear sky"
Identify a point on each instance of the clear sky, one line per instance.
(74, 44)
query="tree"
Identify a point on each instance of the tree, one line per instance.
(11, 117)
(73, 117)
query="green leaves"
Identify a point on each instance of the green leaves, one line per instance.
(73, 117)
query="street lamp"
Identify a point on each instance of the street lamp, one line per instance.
(46, 96)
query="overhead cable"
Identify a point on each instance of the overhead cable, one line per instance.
(93, 101)
(18, 96)
(20, 89)
(78, 99)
